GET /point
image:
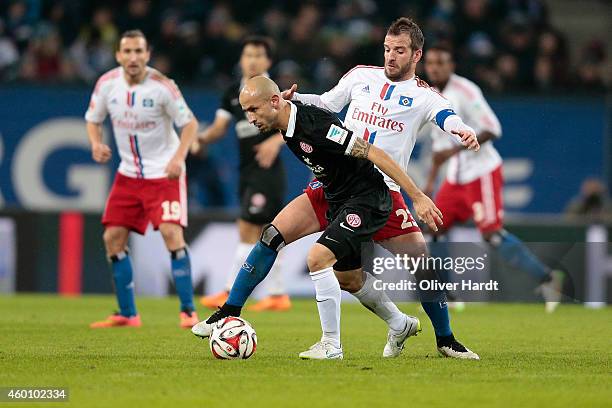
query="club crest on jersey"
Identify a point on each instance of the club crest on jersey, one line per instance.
(405, 101)
(337, 134)
(147, 102)
(306, 147)
(353, 220)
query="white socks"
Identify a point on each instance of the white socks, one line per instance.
(276, 284)
(328, 297)
(379, 303)
(242, 252)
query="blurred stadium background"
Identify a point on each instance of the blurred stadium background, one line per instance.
(544, 65)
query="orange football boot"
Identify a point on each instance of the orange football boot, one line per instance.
(188, 319)
(214, 301)
(117, 320)
(277, 303)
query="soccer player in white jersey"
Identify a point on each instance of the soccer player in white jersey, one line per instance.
(150, 183)
(473, 185)
(387, 106)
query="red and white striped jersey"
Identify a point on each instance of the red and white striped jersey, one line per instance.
(386, 113)
(469, 103)
(142, 116)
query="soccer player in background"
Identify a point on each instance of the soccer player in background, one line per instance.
(387, 106)
(359, 205)
(262, 175)
(473, 185)
(150, 183)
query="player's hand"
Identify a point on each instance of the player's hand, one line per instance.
(267, 151)
(174, 169)
(101, 153)
(427, 211)
(468, 139)
(287, 94)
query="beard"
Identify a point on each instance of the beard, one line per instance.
(401, 73)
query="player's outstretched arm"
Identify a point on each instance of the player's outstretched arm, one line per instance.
(424, 207)
(188, 136)
(100, 152)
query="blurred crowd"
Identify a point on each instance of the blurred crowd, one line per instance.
(504, 45)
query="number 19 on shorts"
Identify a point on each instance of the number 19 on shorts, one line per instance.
(171, 211)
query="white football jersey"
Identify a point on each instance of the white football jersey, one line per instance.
(142, 116)
(387, 114)
(469, 103)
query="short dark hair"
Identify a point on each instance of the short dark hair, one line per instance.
(259, 41)
(405, 25)
(132, 34)
(442, 47)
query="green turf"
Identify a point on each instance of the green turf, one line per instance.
(529, 359)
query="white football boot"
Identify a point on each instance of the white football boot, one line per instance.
(395, 341)
(453, 349)
(552, 290)
(322, 350)
(202, 329)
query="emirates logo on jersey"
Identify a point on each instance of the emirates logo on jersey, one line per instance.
(353, 220)
(306, 147)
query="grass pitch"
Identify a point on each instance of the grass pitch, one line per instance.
(529, 359)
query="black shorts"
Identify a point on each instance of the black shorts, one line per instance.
(353, 223)
(262, 195)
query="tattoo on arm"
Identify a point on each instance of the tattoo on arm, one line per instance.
(360, 149)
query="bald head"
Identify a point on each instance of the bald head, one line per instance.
(260, 87)
(262, 102)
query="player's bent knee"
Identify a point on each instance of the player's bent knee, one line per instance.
(320, 257)
(350, 281)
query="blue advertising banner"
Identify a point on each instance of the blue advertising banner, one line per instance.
(549, 147)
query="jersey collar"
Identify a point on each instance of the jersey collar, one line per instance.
(292, 117)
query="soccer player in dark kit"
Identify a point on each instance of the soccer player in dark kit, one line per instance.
(360, 204)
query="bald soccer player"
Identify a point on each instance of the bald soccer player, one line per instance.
(359, 202)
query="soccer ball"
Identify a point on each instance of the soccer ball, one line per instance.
(233, 338)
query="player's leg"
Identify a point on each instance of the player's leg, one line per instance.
(298, 219)
(115, 241)
(354, 223)
(248, 235)
(165, 202)
(400, 222)
(180, 264)
(453, 201)
(488, 215)
(328, 296)
(434, 301)
(123, 213)
(362, 285)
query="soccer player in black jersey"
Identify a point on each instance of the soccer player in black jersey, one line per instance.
(262, 176)
(359, 203)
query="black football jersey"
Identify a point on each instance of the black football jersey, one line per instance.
(319, 139)
(248, 135)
